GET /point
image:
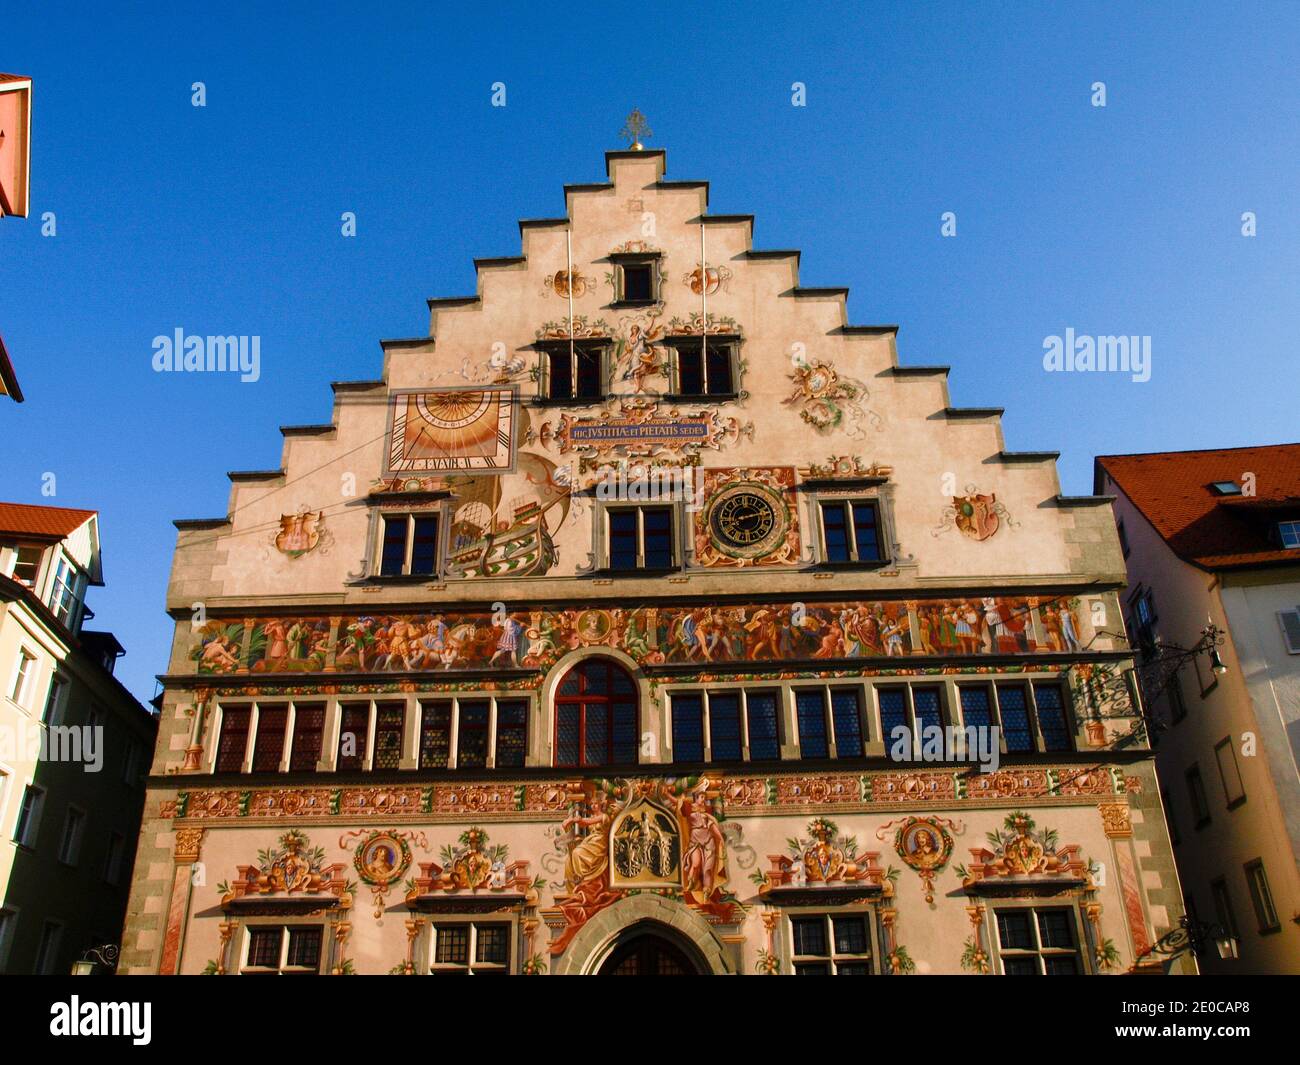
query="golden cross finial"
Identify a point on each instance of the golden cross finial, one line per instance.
(633, 128)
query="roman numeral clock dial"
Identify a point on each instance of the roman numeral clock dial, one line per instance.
(747, 520)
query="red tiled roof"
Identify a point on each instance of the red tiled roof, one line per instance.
(14, 77)
(24, 519)
(1213, 531)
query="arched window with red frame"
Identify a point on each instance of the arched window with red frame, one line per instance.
(596, 720)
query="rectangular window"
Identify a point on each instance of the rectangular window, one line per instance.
(47, 952)
(1289, 532)
(28, 825)
(1196, 790)
(1013, 706)
(1049, 703)
(234, 738)
(435, 734)
(703, 368)
(23, 674)
(1261, 897)
(1167, 801)
(472, 730)
(54, 699)
(725, 736)
(1234, 792)
(574, 372)
(512, 733)
(390, 732)
(831, 945)
(850, 531)
(1034, 942)
(408, 545)
(8, 920)
(927, 705)
(308, 736)
(74, 826)
(893, 712)
(688, 727)
(1223, 911)
(637, 283)
(764, 739)
(846, 716)
(640, 538)
(113, 858)
(471, 948)
(354, 732)
(285, 951)
(810, 711)
(27, 565)
(976, 707)
(63, 595)
(268, 745)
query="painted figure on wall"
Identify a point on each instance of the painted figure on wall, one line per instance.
(700, 634)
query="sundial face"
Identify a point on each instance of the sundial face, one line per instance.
(453, 429)
(747, 520)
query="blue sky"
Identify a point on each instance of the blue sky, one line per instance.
(225, 219)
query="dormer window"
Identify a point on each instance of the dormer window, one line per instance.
(1289, 532)
(703, 367)
(27, 565)
(1226, 488)
(65, 594)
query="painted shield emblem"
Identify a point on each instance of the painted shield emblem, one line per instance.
(299, 533)
(976, 515)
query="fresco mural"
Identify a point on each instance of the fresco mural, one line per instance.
(826, 860)
(704, 634)
(640, 428)
(643, 835)
(302, 532)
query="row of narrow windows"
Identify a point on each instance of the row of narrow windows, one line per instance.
(597, 723)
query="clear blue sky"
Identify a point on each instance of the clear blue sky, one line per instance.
(225, 219)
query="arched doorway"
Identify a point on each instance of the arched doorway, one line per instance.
(646, 953)
(596, 715)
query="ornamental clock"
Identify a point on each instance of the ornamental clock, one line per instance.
(747, 520)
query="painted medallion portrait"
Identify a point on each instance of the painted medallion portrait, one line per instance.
(382, 858)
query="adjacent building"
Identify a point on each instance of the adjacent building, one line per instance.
(583, 639)
(1213, 537)
(74, 748)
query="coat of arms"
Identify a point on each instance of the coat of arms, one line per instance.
(300, 533)
(976, 515)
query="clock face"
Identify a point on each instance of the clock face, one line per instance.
(747, 521)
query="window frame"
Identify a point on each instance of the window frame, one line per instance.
(580, 699)
(23, 677)
(833, 958)
(44, 966)
(705, 694)
(562, 346)
(284, 927)
(383, 516)
(1261, 897)
(1232, 801)
(652, 261)
(114, 859)
(847, 500)
(1039, 952)
(701, 342)
(74, 819)
(442, 922)
(29, 818)
(603, 514)
(1288, 532)
(1201, 813)
(453, 701)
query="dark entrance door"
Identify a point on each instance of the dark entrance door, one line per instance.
(648, 955)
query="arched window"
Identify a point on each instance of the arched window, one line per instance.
(596, 715)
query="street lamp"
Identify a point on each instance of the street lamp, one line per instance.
(1196, 937)
(94, 958)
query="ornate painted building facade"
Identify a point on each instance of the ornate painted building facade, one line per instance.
(579, 642)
